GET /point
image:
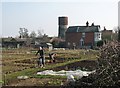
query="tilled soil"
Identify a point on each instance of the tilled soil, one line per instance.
(83, 65)
(86, 64)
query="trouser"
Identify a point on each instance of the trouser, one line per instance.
(41, 61)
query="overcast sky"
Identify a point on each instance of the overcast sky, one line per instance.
(43, 14)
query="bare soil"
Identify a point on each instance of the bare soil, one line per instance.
(86, 64)
(83, 65)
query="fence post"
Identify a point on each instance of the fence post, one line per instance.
(118, 34)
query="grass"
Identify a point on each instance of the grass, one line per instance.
(49, 76)
(70, 56)
(30, 72)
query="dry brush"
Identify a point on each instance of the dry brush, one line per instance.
(108, 68)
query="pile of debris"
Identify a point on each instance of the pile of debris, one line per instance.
(108, 69)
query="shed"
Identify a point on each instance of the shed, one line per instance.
(50, 46)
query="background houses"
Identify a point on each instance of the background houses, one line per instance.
(74, 37)
(107, 35)
(13, 42)
(83, 36)
(25, 42)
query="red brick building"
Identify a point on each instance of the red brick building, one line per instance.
(82, 36)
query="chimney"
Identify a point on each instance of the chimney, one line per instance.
(104, 28)
(87, 24)
(92, 24)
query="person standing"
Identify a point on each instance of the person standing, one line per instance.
(41, 57)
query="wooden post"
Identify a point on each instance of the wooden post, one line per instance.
(118, 35)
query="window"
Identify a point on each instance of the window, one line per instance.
(68, 43)
(98, 35)
(74, 44)
(83, 35)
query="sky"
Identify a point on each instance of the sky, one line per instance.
(43, 15)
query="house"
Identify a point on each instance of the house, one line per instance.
(50, 46)
(13, 42)
(25, 42)
(40, 41)
(107, 34)
(83, 36)
(57, 42)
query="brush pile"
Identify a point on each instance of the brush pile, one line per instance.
(108, 69)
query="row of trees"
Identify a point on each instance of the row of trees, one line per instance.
(23, 33)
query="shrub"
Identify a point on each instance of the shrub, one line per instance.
(100, 43)
(107, 71)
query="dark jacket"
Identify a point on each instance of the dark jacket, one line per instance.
(41, 53)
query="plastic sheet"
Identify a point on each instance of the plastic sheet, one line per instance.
(70, 74)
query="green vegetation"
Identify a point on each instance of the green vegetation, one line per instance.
(23, 62)
(49, 76)
(31, 71)
(100, 43)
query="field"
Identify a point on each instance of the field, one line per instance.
(23, 62)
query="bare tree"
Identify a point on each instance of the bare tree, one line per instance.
(26, 33)
(33, 34)
(115, 34)
(115, 29)
(40, 33)
(23, 33)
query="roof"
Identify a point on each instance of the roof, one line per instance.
(49, 44)
(107, 31)
(10, 39)
(57, 39)
(83, 29)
